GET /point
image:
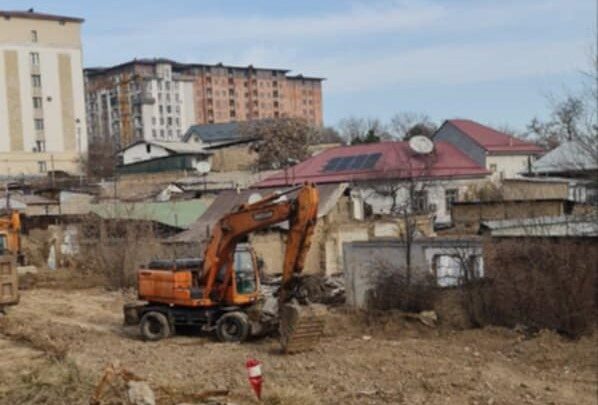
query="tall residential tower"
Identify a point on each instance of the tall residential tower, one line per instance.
(42, 107)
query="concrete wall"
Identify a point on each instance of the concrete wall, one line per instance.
(233, 158)
(363, 262)
(507, 166)
(467, 217)
(534, 190)
(58, 63)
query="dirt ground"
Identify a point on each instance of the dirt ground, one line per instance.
(56, 344)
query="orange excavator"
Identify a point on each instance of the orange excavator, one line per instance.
(10, 255)
(221, 291)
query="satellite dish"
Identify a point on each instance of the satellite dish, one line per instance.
(203, 167)
(421, 144)
(254, 197)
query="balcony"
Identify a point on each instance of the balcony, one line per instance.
(143, 98)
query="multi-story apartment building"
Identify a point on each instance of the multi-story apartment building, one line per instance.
(42, 109)
(158, 99)
(141, 99)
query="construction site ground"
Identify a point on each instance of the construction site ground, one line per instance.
(56, 344)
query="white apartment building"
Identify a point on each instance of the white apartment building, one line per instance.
(139, 100)
(42, 108)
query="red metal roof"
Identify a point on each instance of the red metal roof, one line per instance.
(397, 161)
(493, 140)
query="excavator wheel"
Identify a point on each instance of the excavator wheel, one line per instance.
(301, 326)
(154, 326)
(232, 327)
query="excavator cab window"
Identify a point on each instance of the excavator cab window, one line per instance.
(3, 244)
(244, 272)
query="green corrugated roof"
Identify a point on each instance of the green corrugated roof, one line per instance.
(180, 214)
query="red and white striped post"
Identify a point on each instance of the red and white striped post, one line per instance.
(254, 373)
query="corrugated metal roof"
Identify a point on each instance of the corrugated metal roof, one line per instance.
(397, 161)
(179, 214)
(229, 200)
(569, 156)
(492, 140)
(210, 133)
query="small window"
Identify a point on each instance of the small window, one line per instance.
(39, 124)
(493, 168)
(33, 36)
(34, 57)
(37, 102)
(41, 166)
(450, 196)
(40, 146)
(36, 81)
(420, 201)
(148, 148)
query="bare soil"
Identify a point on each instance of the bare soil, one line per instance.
(56, 344)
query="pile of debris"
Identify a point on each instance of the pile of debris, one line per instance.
(327, 290)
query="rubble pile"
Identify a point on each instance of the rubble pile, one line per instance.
(327, 290)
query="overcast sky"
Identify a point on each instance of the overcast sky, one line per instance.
(491, 61)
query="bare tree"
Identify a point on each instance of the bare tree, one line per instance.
(407, 188)
(280, 142)
(404, 125)
(101, 160)
(362, 130)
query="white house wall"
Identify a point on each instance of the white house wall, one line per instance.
(139, 152)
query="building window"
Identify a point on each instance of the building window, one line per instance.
(41, 166)
(148, 148)
(168, 109)
(154, 134)
(34, 57)
(420, 201)
(154, 120)
(450, 196)
(40, 146)
(39, 124)
(33, 36)
(37, 102)
(36, 81)
(493, 167)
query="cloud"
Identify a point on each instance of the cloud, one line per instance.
(451, 64)
(369, 45)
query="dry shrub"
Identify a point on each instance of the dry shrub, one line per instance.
(115, 249)
(52, 382)
(393, 288)
(544, 283)
(43, 336)
(280, 395)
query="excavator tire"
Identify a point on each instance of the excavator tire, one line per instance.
(154, 326)
(232, 327)
(301, 326)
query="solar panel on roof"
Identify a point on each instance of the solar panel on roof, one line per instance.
(371, 160)
(355, 162)
(332, 163)
(358, 162)
(344, 164)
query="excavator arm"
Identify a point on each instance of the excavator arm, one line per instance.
(301, 212)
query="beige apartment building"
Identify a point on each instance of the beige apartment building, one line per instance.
(42, 107)
(158, 99)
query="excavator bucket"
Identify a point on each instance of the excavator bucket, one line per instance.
(300, 326)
